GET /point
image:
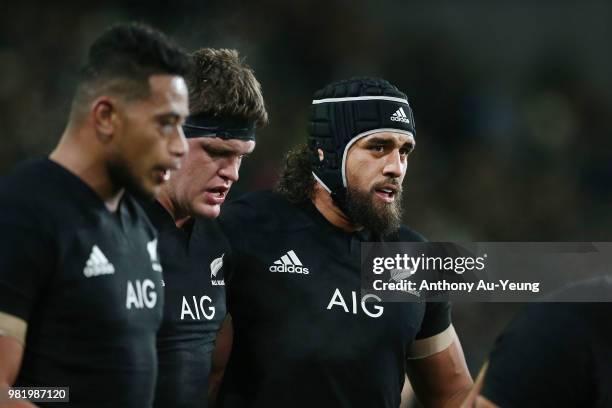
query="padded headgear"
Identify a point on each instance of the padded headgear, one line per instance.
(344, 112)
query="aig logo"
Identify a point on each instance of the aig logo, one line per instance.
(141, 294)
(202, 307)
(368, 307)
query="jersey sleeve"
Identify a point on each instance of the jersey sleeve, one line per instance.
(542, 359)
(436, 333)
(26, 261)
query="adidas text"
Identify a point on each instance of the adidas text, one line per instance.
(289, 263)
(289, 268)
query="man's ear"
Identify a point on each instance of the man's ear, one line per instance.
(104, 115)
(321, 155)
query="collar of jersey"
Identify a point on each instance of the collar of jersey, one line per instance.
(318, 218)
(160, 217)
(68, 180)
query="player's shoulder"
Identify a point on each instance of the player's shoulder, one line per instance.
(262, 199)
(263, 210)
(526, 331)
(544, 339)
(405, 234)
(27, 189)
(26, 177)
(564, 309)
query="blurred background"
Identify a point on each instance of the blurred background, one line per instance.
(512, 102)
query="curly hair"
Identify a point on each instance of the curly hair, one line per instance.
(296, 182)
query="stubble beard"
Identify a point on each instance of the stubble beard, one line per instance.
(121, 176)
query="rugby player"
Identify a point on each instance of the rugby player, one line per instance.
(80, 280)
(226, 108)
(303, 335)
(553, 354)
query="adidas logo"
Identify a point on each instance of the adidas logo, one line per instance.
(289, 263)
(215, 266)
(400, 116)
(97, 264)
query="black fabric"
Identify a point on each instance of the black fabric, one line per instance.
(555, 355)
(194, 308)
(332, 125)
(221, 127)
(91, 326)
(293, 346)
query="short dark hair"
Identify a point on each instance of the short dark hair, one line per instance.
(122, 59)
(222, 84)
(296, 182)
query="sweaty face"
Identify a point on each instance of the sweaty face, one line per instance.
(375, 169)
(149, 142)
(208, 172)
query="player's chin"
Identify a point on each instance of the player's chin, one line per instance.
(206, 210)
(150, 187)
(381, 205)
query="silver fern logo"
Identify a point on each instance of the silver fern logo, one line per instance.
(215, 267)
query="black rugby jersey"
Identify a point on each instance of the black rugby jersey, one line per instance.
(86, 281)
(555, 354)
(302, 335)
(194, 307)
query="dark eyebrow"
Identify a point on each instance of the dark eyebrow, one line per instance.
(220, 150)
(216, 149)
(379, 141)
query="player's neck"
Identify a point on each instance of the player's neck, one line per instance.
(166, 201)
(323, 201)
(76, 155)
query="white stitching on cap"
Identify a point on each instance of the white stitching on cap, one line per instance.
(360, 98)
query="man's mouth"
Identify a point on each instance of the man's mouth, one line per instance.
(162, 174)
(219, 192)
(215, 195)
(164, 171)
(386, 192)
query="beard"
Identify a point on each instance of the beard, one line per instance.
(378, 217)
(121, 176)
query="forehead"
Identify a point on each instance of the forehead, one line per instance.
(395, 138)
(236, 146)
(169, 90)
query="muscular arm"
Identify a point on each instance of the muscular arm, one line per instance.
(25, 259)
(441, 379)
(220, 357)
